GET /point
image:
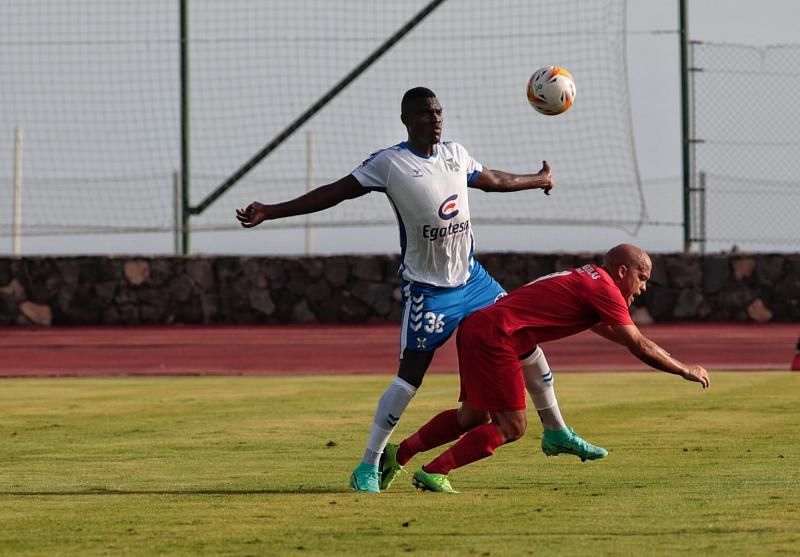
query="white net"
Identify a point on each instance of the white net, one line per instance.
(95, 86)
(748, 126)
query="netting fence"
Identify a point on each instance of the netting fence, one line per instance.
(747, 150)
(95, 88)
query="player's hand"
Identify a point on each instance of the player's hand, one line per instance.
(547, 174)
(699, 375)
(252, 215)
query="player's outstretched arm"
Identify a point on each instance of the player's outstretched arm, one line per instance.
(499, 181)
(652, 354)
(316, 200)
(609, 333)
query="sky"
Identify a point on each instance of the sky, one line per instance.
(656, 113)
(652, 47)
(656, 124)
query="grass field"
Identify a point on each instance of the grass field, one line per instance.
(259, 466)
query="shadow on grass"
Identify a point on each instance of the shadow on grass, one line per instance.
(285, 491)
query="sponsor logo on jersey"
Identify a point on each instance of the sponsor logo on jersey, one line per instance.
(434, 232)
(448, 209)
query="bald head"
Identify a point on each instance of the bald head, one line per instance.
(626, 254)
(629, 268)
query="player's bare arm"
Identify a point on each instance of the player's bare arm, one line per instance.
(316, 200)
(653, 355)
(608, 333)
(499, 181)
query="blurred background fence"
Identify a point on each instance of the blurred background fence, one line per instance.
(94, 92)
(96, 89)
(747, 146)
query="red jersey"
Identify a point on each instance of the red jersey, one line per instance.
(559, 305)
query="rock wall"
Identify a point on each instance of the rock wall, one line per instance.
(353, 289)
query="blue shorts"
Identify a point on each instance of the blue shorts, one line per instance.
(432, 313)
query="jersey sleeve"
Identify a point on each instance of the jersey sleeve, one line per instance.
(610, 305)
(473, 167)
(373, 173)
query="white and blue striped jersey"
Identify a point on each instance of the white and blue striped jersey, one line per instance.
(429, 197)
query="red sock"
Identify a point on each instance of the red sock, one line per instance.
(476, 444)
(442, 429)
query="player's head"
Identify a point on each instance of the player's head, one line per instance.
(630, 268)
(421, 114)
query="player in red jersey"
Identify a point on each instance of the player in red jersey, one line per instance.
(492, 340)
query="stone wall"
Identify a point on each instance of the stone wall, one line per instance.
(354, 289)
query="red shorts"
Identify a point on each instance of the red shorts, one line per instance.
(491, 375)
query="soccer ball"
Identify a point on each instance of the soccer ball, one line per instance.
(551, 90)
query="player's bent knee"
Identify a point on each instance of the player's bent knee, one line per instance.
(469, 418)
(512, 426)
(513, 433)
(413, 367)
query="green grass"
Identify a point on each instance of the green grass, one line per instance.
(259, 466)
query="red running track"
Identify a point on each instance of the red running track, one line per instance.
(353, 349)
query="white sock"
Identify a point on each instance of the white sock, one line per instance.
(391, 406)
(539, 383)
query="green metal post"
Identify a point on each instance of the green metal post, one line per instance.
(685, 127)
(185, 163)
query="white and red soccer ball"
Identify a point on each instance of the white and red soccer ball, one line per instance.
(551, 90)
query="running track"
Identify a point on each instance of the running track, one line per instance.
(307, 349)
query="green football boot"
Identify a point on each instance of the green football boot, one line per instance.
(389, 466)
(432, 482)
(566, 441)
(366, 478)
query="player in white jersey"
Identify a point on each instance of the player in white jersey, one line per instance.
(426, 181)
(429, 196)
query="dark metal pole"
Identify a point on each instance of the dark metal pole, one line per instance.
(325, 99)
(685, 127)
(185, 163)
(177, 212)
(701, 237)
